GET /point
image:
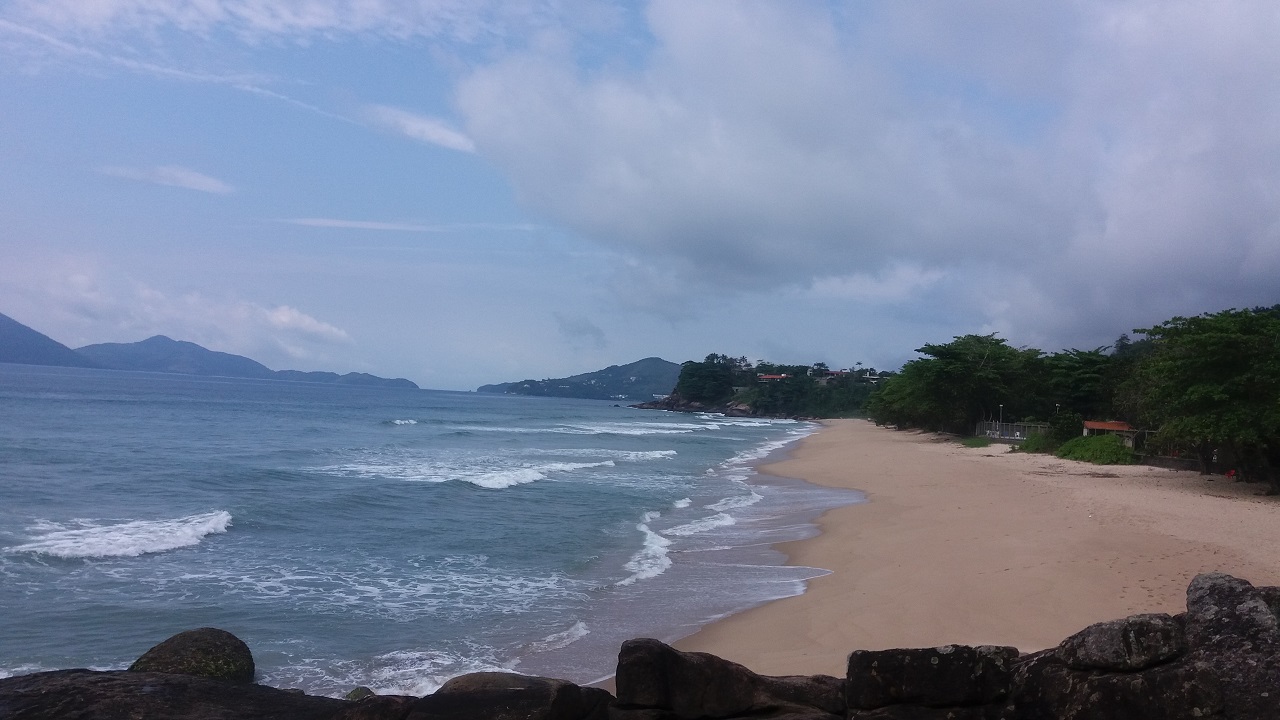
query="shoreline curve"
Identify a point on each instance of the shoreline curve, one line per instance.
(984, 546)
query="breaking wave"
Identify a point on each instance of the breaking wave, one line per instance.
(129, 539)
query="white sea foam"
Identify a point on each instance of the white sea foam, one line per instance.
(737, 501)
(519, 476)
(404, 422)
(565, 638)
(20, 670)
(399, 672)
(442, 589)
(652, 559)
(700, 526)
(128, 539)
(604, 428)
(636, 429)
(682, 503)
(763, 450)
(490, 472)
(623, 455)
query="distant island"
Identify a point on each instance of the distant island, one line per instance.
(23, 345)
(641, 380)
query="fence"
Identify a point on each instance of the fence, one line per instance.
(1010, 432)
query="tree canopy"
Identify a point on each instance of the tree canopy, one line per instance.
(1212, 382)
(1208, 385)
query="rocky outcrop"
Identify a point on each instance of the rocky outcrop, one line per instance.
(1134, 643)
(86, 694)
(951, 676)
(1219, 659)
(508, 696)
(652, 675)
(205, 652)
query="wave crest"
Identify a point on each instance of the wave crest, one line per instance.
(129, 539)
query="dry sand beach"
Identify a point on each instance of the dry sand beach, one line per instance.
(984, 546)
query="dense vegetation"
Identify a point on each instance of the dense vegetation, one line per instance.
(773, 389)
(1205, 386)
(1099, 449)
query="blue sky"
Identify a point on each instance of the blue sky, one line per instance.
(473, 192)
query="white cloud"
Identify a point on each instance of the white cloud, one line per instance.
(292, 320)
(433, 131)
(171, 176)
(80, 300)
(1118, 158)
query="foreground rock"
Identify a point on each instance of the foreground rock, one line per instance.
(655, 676)
(508, 696)
(206, 652)
(1219, 659)
(77, 694)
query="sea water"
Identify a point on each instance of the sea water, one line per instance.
(382, 537)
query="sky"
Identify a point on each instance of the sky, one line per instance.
(463, 192)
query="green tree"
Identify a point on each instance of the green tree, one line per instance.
(1075, 383)
(961, 383)
(1211, 383)
(709, 381)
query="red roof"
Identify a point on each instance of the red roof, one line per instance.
(1107, 425)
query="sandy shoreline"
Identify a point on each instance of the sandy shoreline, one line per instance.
(981, 546)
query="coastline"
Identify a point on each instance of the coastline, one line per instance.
(982, 546)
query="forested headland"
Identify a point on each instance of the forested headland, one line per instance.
(738, 386)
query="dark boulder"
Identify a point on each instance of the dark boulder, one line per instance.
(1221, 605)
(943, 677)
(1134, 643)
(654, 675)
(1045, 688)
(917, 712)
(1270, 596)
(1232, 628)
(509, 696)
(206, 652)
(91, 695)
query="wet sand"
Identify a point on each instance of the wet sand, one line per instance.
(984, 546)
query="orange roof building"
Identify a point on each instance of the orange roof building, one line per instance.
(1111, 427)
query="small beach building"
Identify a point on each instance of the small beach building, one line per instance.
(1111, 427)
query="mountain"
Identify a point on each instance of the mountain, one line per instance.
(640, 380)
(162, 354)
(20, 344)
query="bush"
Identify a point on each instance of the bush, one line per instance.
(1038, 443)
(976, 442)
(1097, 449)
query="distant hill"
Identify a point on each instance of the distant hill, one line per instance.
(640, 380)
(20, 344)
(162, 354)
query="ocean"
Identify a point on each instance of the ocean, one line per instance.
(377, 537)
